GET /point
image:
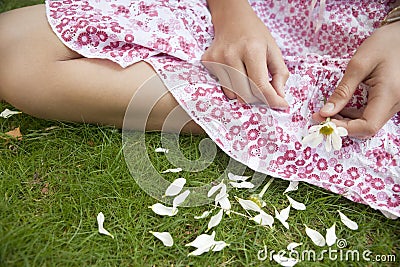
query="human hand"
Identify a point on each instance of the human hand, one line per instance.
(377, 64)
(243, 53)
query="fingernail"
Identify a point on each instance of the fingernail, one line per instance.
(328, 107)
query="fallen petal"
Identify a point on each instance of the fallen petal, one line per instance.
(237, 178)
(284, 214)
(247, 185)
(331, 235)
(282, 217)
(293, 186)
(224, 203)
(8, 113)
(165, 237)
(162, 210)
(264, 219)
(295, 204)
(172, 170)
(248, 204)
(203, 215)
(315, 236)
(161, 150)
(346, 221)
(175, 187)
(214, 189)
(202, 240)
(178, 200)
(219, 245)
(100, 222)
(215, 220)
(284, 261)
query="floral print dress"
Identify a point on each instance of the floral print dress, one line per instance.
(317, 39)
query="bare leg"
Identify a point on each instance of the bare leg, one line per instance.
(44, 78)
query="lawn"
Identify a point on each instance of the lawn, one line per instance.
(59, 176)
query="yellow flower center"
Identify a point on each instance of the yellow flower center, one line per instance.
(256, 199)
(326, 130)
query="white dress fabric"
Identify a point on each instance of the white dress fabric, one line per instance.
(317, 39)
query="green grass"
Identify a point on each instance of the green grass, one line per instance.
(56, 180)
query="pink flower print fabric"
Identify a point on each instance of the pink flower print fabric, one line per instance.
(173, 35)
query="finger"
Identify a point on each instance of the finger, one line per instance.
(258, 73)
(376, 114)
(357, 70)
(223, 78)
(278, 70)
(240, 83)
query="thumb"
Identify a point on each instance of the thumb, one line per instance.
(354, 75)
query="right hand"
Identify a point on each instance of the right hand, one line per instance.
(245, 53)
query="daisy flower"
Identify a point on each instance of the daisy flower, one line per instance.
(327, 131)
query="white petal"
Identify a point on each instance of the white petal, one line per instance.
(214, 189)
(295, 204)
(248, 204)
(293, 245)
(313, 140)
(215, 220)
(247, 185)
(237, 178)
(100, 222)
(8, 113)
(165, 237)
(328, 143)
(200, 251)
(175, 187)
(202, 240)
(331, 235)
(349, 223)
(284, 261)
(315, 128)
(172, 170)
(341, 131)
(178, 200)
(336, 141)
(219, 245)
(162, 210)
(283, 218)
(224, 203)
(203, 215)
(315, 236)
(264, 219)
(161, 150)
(284, 214)
(293, 186)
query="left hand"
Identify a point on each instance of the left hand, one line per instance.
(377, 64)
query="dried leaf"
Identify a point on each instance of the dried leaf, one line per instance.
(346, 221)
(178, 200)
(295, 204)
(331, 235)
(161, 150)
(315, 236)
(246, 185)
(237, 178)
(203, 215)
(8, 113)
(293, 186)
(165, 237)
(293, 245)
(284, 261)
(215, 220)
(248, 204)
(162, 210)
(100, 222)
(264, 219)
(16, 133)
(173, 170)
(175, 187)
